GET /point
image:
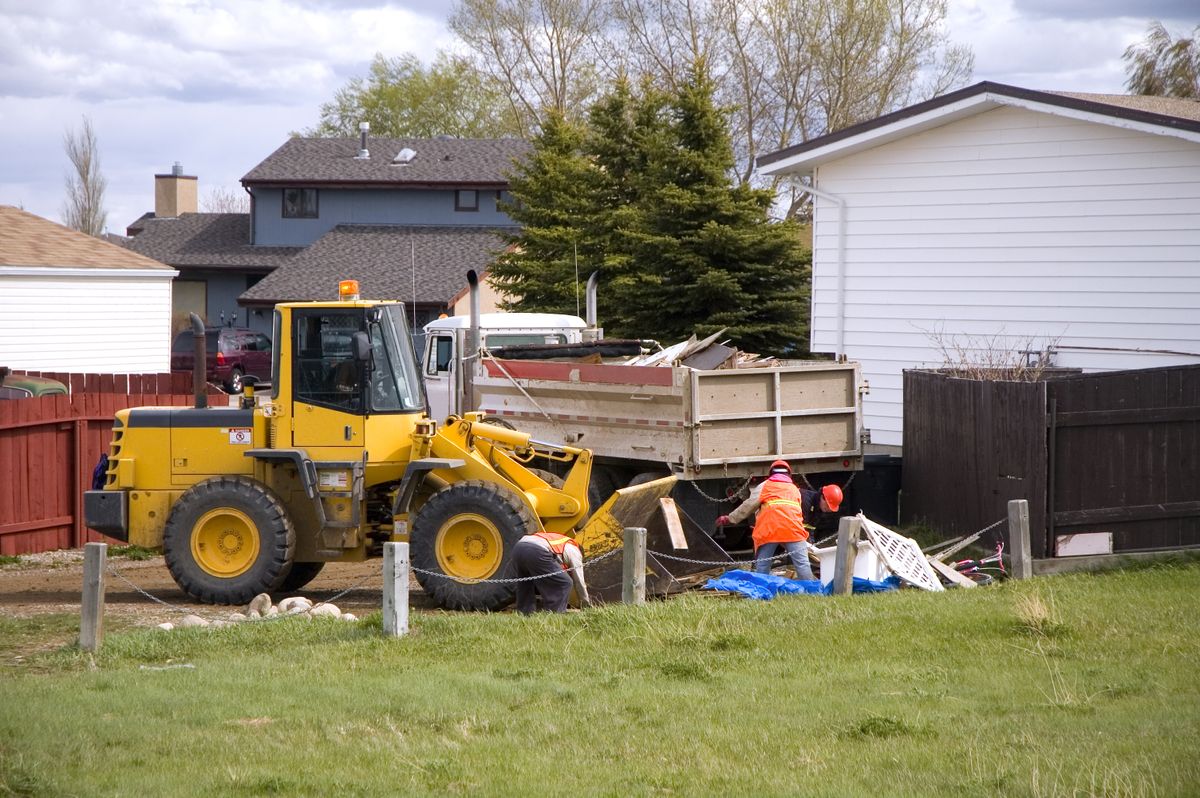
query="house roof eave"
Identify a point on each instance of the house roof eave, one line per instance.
(801, 159)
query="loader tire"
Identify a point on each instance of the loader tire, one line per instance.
(466, 533)
(301, 574)
(228, 539)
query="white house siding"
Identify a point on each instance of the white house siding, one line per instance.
(1016, 224)
(107, 320)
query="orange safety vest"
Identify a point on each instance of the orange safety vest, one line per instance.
(780, 514)
(558, 544)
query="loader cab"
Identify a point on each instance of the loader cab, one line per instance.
(344, 365)
(446, 345)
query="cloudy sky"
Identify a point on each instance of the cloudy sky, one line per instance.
(217, 85)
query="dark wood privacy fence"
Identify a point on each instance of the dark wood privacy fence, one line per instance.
(1113, 452)
(49, 446)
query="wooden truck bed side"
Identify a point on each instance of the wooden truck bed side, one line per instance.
(699, 424)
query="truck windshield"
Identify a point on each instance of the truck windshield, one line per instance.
(394, 382)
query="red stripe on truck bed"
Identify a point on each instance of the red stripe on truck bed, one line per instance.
(518, 414)
(588, 372)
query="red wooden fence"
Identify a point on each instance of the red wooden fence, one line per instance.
(50, 445)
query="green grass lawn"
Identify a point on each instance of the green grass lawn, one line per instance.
(1072, 685)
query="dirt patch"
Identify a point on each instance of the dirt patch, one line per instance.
(142, 592)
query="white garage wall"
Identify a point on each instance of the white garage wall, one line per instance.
(114, 321)
(1011, 223)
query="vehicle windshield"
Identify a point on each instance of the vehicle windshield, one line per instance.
(394, 381)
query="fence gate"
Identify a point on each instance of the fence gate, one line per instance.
(1124, 451)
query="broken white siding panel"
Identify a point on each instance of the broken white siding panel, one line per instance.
(1083, 544)
(1012, 225)
(115, 321)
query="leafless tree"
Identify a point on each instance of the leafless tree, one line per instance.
(543, 54)
(84, 206)
(791, 70)
(225, 200)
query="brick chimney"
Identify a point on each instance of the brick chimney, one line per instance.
(174, 194)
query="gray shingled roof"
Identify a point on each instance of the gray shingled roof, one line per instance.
(206, 239)
(485, 162)
(388, 261)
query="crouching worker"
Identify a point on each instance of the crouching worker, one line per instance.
(559, 561)
(781, 508)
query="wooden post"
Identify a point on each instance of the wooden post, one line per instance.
(847, 551)
(1018, 539)
(395, 589)
(91, 626)
(633, 581)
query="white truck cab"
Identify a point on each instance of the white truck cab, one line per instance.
(446, 343)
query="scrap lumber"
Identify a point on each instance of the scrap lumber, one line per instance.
(945, 570)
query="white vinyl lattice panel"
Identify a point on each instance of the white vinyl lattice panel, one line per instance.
(902, 555)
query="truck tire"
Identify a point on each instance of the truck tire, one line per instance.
(228, 539)
(605, 481)
(464, 533)
(301, 574)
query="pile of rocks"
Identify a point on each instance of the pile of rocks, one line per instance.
(261, 607)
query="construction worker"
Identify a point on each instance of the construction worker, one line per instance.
(558, 560)
(781, 512)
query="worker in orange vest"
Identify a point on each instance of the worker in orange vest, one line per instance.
(781, 511)
(558, 560)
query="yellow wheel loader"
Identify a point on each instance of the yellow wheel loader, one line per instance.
(336, 460)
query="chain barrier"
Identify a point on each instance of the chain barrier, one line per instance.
(112, 569)
(727, 563)
(512, 580)
(736, 497)
(967, 541)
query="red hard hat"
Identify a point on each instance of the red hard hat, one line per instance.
(781, 465)
(833, 496)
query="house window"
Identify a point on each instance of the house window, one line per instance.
(466, 199)
(299, 203)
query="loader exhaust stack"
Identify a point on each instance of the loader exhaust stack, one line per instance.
(199, 364)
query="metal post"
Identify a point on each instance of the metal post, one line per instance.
(847, 551)
(395, 589)
(91, 626)
(633, 577)
(1018, 539)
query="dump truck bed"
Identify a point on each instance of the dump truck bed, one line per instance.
(699, 424)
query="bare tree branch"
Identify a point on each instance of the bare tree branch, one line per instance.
(84, 206)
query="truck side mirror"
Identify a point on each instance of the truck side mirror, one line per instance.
(362, 346)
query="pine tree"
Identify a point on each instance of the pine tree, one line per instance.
(555, 195)
(623, 133)
(646, 195)
(709, 256)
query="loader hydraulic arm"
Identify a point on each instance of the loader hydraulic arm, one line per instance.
(488, 450)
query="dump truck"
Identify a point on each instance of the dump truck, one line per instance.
(337, 459)
(712, 428)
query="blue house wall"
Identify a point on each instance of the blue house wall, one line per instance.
(223, 291)
(366, 206)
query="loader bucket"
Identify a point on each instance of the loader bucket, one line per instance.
(646, 505)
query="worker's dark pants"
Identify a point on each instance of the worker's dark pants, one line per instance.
(533, 559)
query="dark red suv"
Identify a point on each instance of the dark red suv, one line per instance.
(232, 352)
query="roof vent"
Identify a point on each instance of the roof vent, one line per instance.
(405, 156)
(177, 169)
(363, 153)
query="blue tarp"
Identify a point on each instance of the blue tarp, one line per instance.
(767, 586)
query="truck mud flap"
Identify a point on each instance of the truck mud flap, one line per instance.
(643, 506)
